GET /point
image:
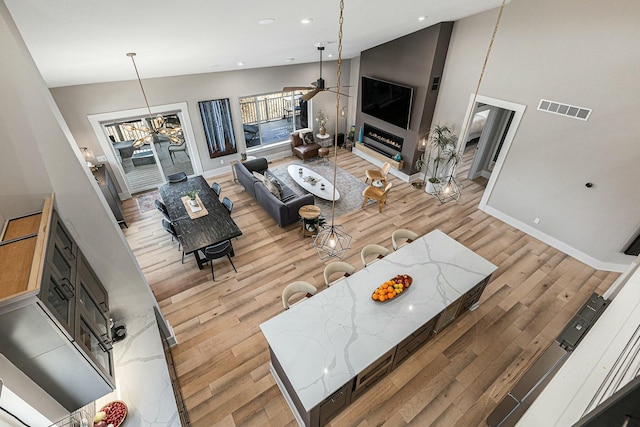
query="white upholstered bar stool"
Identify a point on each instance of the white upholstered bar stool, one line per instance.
(297, 287)
(370, 250)
(401, 237)
(337, 267)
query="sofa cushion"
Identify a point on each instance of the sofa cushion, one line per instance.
(296, 140)
(268, 182)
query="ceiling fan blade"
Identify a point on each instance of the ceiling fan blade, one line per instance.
(307, 96)
(294, 88)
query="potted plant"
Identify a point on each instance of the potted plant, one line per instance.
(312, 225)
(439, 158)
(192, 197)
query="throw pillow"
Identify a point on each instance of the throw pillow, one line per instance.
(259, 176)
(308, 138)
(276, 183)
(272, 188)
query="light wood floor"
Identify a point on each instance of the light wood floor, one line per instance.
(455, 380)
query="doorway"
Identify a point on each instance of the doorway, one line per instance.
(487, 140)
(143, 168)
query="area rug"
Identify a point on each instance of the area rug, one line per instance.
(349, 187)
(146, 201)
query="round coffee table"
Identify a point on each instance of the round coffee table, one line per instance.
(308, 213)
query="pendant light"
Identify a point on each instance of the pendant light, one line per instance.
(159, 125)
(334, 241)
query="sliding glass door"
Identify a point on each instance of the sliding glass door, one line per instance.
(146, 167)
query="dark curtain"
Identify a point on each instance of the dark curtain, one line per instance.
(218, 128)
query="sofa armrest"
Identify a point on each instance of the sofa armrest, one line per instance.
(294, 205)
(256, 165)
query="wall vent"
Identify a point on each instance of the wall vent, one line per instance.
(573, 111)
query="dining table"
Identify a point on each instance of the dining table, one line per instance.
(195, 234)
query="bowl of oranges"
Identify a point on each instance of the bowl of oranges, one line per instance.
(392, 288)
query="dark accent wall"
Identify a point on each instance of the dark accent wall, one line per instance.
(413, 60)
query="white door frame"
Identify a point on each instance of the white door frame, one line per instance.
(517, 117)
(180, 108)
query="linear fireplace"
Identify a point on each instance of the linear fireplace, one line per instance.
(382, 141)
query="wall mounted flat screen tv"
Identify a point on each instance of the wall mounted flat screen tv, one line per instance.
(386, 101)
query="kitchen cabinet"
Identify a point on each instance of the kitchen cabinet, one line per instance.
(54, 311)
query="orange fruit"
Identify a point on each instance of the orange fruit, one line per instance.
(382, 298)
(375, 296)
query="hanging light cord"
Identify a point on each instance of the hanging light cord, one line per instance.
(153, 125)
(475, 95)
(335, 134)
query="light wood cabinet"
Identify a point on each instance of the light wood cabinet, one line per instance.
(54, 311)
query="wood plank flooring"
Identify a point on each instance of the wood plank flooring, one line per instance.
(457, 379)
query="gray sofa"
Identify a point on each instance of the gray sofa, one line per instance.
(284, 211)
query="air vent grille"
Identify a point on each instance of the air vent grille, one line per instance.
(567, 110)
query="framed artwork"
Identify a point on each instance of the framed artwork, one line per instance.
(218, 127)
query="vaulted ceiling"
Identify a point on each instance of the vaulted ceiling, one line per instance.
(86, 41)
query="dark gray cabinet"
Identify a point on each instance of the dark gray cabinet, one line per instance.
(56, 330)
(108, 187)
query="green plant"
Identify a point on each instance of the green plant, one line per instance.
(441, 154)
(313, 224)
(192, 194)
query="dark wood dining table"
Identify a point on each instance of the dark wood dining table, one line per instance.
(196, 234)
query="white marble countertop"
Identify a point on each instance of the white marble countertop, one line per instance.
(142, 376)
(326, 340)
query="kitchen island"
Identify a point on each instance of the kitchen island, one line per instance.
(327, 350)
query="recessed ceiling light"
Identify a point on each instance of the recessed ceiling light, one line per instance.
(422, 18)
(266, 21)
(290, 59)
(330, 55)
(307, 20)
(240, 64)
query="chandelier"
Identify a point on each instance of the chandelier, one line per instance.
(159, 125)
(334, 241)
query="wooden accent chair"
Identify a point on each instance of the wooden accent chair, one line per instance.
(379, 174)
(375, 193)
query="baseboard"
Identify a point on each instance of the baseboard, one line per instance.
(552, 241)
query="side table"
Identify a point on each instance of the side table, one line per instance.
(323, 139)
(308, 213)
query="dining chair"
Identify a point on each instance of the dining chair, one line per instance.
(297, 287)
(375, 193)
(219, 250)
(162, 208)
(401, 237)
(171, 230)
(379, 174)
(373, 249)
(228, 204)
(174, 148)
(216, 188)
(177, 177)
(337, 267)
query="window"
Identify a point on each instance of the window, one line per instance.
(270, 118)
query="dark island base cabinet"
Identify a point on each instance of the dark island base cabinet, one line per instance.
(334, 404)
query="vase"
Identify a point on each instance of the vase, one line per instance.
(322, 130)
(193, 202)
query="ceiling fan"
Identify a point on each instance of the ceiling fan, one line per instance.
(316, 87)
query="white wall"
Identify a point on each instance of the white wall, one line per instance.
(581, 53)
(40, 157)
(77, 102)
